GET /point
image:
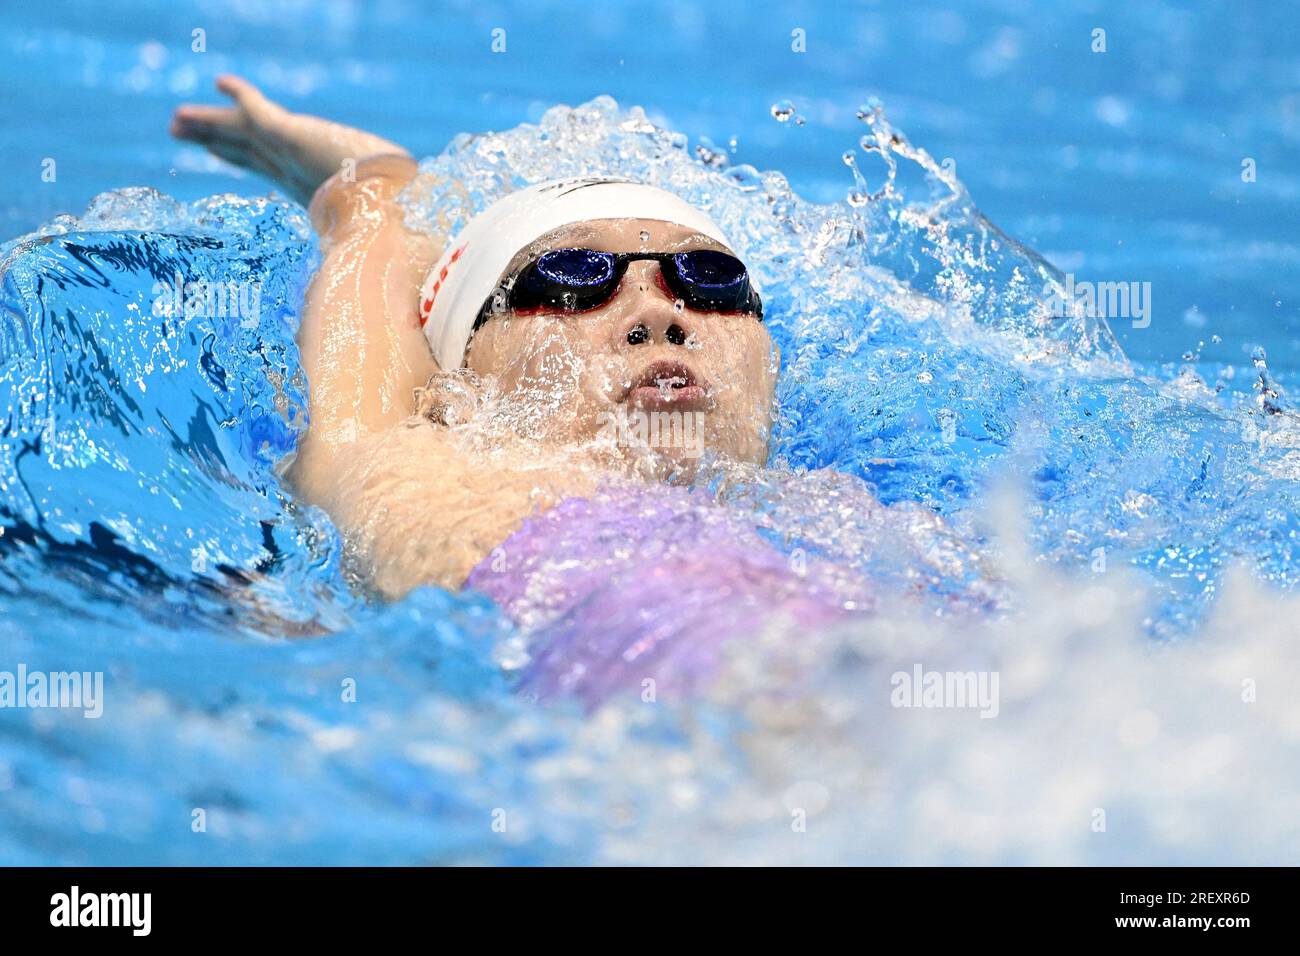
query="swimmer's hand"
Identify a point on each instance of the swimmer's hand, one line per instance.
(296, 151)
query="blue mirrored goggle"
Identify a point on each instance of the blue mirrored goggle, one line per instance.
(575, 280)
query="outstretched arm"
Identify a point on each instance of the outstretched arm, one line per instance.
(361, 344)
(415, 508)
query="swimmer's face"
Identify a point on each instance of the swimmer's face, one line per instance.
(643, 373)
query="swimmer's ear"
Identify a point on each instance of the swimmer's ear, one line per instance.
(449, 398)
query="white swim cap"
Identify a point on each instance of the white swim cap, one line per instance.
(474, 261)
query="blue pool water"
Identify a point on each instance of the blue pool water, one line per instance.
(1120, 501)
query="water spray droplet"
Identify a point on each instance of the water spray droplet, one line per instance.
(782, 110)
(869, 111)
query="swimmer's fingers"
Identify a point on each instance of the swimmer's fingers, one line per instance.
(202, 124)
(224, 132)
(248, 97)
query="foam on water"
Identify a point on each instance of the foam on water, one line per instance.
(1093, 515)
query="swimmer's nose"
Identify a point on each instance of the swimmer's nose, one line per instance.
(652, 316)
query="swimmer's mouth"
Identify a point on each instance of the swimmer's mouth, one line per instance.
(668, 386)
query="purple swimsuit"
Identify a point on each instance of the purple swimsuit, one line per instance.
(640, 585)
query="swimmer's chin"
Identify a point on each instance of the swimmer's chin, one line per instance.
(666, 466)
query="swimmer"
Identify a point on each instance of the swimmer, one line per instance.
(462, 382)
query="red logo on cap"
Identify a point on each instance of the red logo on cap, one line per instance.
(427, 305)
